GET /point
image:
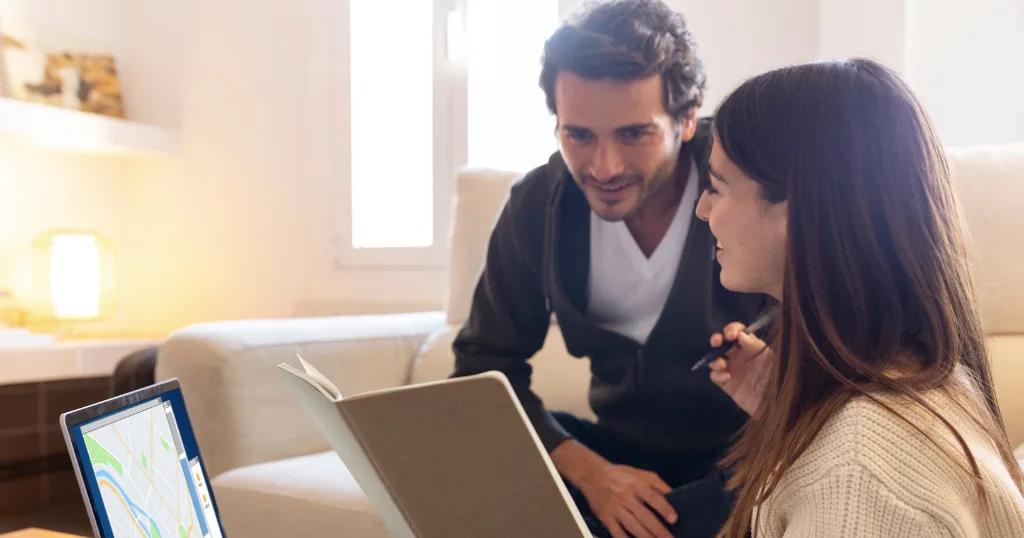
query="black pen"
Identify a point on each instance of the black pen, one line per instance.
(756, 325)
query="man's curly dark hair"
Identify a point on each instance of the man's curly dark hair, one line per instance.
(628, 40)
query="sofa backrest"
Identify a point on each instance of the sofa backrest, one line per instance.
(989, 181)
(990, 184)
(480, 194)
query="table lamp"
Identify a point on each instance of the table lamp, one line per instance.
(66, 276)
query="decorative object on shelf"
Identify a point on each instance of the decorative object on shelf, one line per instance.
(22, 67)
(87, 82)
(66, 276)
(81, 81)
(5, 42)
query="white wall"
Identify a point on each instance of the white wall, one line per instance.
(741, 38)
(94, 25)
(965, 62)
(869, 28)
(967, 67)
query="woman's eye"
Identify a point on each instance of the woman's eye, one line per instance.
(711, 189)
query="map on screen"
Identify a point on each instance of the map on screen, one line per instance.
(147, 485)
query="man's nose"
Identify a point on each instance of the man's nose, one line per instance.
(607, 163)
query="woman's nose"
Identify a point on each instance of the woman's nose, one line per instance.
(703, 209)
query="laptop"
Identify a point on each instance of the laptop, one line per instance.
(139, 468)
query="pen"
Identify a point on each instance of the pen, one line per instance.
(756, 325)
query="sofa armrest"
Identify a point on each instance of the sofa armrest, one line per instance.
(240, 410)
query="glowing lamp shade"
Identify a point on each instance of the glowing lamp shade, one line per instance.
(68, 275)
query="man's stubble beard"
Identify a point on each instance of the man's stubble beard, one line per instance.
(656, 184)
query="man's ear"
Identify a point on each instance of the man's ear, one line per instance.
(688, 125)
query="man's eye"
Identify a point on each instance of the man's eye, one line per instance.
(579, 136)
(632, 134)
(711, 189)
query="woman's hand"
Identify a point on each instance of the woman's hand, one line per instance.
(743, 372)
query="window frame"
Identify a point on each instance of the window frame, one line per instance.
(450, 152)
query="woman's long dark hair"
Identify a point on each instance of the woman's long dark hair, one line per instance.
(876, 262)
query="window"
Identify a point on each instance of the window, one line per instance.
(392, 118)
(458, 87)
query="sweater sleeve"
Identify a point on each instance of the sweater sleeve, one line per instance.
(851, 501)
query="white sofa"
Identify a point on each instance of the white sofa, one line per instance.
(273, 472)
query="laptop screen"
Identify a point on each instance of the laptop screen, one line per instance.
(139, 466)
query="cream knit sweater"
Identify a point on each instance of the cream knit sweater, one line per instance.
(869, 473)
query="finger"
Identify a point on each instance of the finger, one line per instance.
(633, 525)
(720, 378)
(746, 351)
(716, 339)
(736, 352)
(657, 483)
(749, 341)
(660, 504)
(613, 527)
(747, 346)
(732, 330)
(649, 520)
(719, 364)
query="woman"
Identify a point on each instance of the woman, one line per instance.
(872, 412)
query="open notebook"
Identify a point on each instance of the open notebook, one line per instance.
(444, 459)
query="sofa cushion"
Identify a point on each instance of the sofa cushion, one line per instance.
(310, 496)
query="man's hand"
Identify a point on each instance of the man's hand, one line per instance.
(743, 372)
(625, 499)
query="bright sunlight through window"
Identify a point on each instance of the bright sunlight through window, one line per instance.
(392, 124)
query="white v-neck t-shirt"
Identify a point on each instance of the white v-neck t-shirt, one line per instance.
(627, 290)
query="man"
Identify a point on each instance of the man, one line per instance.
(604, 237)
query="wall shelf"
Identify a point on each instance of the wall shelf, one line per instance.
(66, 129)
